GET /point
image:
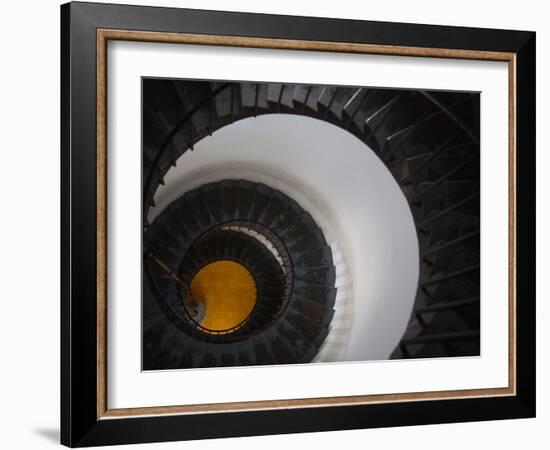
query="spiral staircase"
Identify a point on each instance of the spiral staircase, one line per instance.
(429, 141)
(294, 280)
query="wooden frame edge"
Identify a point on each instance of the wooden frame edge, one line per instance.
(290, 44)
(512, 201)
(103, 35)
(304, 403)
(101, 224)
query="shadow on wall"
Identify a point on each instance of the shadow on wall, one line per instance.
(49, 434)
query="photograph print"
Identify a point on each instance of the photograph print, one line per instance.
(295, 223)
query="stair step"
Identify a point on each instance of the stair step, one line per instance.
(286, 101)
(319, 257)
(167, 343)
(474, 269)
(452, 289)
(273, 210)
(198, 209)
(301, 346)
(161, 97)
(274, 94)
(224, 101)
(467, 240)
(305, 97)
(262, 350)
(445, 159)
(323, 276)
(249, 92)
(193, 355)
(246, 197)
(245, 353)
(262, 197)
(455, 208)
(452, 260)
(448, 305)
(282, 351)
(448, 194)
(229, 199)
(315, 311)
(340, 98)
(312, 240)
(452, 226)
(320, 294)
(402, 112)
(458, 336)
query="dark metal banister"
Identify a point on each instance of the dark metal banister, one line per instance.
(156, 161)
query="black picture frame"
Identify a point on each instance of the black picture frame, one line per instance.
(80, 424)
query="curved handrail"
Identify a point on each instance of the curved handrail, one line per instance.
(164, 146)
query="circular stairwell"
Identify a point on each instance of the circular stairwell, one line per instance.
(295, 279)
(428, 140)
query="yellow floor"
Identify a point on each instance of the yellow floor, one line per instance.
(228, 292)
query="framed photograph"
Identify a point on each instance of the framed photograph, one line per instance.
(277, 224)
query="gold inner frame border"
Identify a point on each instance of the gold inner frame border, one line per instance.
(104, 35)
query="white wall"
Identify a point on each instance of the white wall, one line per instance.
(30, 241)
